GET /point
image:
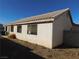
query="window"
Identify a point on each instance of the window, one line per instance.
(6, 28)
(12, 28)
(32, 29)
(19, 28)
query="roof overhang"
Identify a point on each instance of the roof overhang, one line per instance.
(36, 21)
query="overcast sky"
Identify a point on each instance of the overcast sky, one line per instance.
(11, 10)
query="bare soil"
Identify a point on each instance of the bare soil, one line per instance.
(45, 53)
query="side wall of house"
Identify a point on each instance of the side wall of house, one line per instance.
(61, 23)
(43, 37)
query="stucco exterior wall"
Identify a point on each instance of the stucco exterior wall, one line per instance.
(61, 23)
(45, 34)
(43, 37)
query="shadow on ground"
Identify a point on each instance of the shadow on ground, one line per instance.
(13, 50)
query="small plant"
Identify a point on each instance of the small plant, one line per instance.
(13, 36)
(6, 33)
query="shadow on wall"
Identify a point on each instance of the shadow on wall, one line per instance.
(11, 50)
(70, 39)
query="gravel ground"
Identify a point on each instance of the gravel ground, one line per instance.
(56, 53)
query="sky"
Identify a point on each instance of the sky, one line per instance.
(12, 10)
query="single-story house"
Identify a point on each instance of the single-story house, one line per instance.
(45, 30)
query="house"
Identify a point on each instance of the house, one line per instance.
(45, 30)
(1, 28)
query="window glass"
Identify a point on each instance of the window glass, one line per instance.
(32, 29)
(12, 28)
(19, 28)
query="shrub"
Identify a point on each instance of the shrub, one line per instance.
(13, 36)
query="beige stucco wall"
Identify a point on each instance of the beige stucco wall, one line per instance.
(45, 34)
(43, 37)
(61, 23)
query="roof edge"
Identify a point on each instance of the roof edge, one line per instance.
(47, 17)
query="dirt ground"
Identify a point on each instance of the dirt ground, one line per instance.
(45, 53)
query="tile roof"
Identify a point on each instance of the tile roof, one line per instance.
(41, 18)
